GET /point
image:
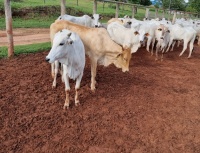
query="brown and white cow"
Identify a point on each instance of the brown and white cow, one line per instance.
(98, 45)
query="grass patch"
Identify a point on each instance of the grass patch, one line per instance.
(25, 49)
(36, 22)
(30, 3)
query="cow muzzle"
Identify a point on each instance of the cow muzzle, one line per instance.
(47, 59)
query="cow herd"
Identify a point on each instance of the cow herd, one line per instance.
(112, 43)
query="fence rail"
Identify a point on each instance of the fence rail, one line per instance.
(134, 8)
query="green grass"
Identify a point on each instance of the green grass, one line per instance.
(36, 22)
(31, 3)
(24, 49)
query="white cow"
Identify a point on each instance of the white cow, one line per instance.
(68, 49)
(128, 38)
(163, 38)
(187, 34)
(148, 30)
(82, 20)
(100, 48)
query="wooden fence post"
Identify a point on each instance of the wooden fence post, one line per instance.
(174, 17)
(163, 15)
(156, 13)
(63, 7)
(133, 11)
(169, 14)
(147, 13)
(9, 30)
(117, 10)
(95, 7)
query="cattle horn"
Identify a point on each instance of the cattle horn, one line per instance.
(69, 34)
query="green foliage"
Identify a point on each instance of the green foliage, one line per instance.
(175, 4)
(145, 2)
(16, 0)
(141, 2)
(24, 49)
(195, 4)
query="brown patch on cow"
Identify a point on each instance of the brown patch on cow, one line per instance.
(146, 34)
(136, 33)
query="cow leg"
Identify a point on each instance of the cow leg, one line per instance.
(191, 47)
(157, 48)
(67, 87)
(178, 44)
(184, 48)
(56, 73)
(53, 70)
(93, 73)
(77, 87)
(148, 43)
(170, 43)
(61, 72)
(153, 43)
(173, 44)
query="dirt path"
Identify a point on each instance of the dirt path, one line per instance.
(154, 108)
(25, 36)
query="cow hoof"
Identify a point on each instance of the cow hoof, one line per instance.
(53, 75)
(77, 103)
(65, 107)
(93, 90)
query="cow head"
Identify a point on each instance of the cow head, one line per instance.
(160, 32)
(123, 60)
(62, 43)
(95, 19)
(135, 42)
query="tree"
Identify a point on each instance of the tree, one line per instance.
(141, 2)
(195, 5)
(174, 4)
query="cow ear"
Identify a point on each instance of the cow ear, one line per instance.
(136, 33)
(100, 17)
(69, 34)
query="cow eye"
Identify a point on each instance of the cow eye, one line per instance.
(61, 44)
(159, 29)
(124, 59)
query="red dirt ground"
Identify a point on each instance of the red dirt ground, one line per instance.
(154, 108)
